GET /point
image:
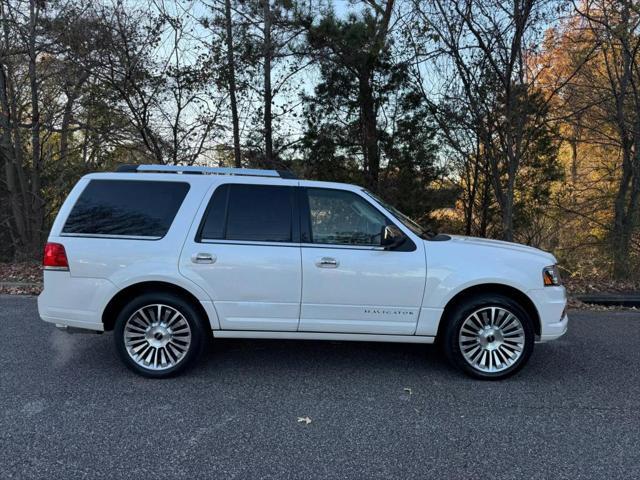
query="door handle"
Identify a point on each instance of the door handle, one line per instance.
(203, 258)
(327, 262)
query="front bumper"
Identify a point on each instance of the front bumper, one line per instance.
(551, 303)
(555, 330)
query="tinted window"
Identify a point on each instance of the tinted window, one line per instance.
(126, 207)
(259, 213)
(213, 226)
(342, 217)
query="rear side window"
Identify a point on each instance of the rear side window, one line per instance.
(213, 226)
(257, 213)
(126, 207)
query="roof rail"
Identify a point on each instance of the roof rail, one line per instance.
(249, 172)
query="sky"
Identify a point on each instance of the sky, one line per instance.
(191, 12)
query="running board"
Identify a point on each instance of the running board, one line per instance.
(356, 337)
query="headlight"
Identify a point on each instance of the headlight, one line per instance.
(551, 276)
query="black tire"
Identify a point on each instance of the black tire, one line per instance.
(457, 317)
(182, 360)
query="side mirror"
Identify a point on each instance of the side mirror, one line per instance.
(391, 237)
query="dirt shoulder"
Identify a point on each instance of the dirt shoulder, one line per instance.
(23, 278)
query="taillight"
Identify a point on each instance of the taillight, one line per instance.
(55, 258)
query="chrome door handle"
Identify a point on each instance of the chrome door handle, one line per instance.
(327, 262)
(203, 258)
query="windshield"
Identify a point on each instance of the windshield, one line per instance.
(412, 225)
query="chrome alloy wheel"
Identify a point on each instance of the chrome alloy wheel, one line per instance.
(157, 337)
(491, 339)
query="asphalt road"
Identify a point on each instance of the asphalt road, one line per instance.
(69, 409)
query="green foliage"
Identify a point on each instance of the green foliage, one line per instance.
(332, 147)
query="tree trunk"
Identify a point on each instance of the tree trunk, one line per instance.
(507, 215)
(472, 189)
(369, 127)
(620, 246)
(8, 153)
(268, 135)
(18, 156)
(504, 196)
(37, 205)
(575, 138)
(484, 219)
(507, 219)
(67, 116)
(495, 174)
(64, 131)
(621, 231)
(471, 193)
(231, 73)
(626, 208)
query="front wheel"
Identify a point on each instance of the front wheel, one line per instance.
(489, 337)
(158, 335)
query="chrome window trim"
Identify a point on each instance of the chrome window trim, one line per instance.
(114, 236)
(343, 246)
(212, 241)
(291, 244)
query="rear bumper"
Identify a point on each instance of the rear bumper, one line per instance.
(74, 302)
(69, 329)
(65, 324)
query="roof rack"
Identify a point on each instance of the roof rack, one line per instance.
(249, 172)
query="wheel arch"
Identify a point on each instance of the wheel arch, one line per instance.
(120, 299)
(491, 288)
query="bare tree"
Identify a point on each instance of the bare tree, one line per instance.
(613, 25)
(151, 66)
(483, 47)
(231, 78)
(21, 44)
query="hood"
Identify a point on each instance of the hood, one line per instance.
(517, 247)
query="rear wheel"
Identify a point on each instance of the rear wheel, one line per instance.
(158, 335)
(489, 337)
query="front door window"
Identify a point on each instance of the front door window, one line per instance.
(343, 218)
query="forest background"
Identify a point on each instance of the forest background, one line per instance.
(514, 119)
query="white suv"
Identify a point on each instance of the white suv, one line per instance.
(163, 256)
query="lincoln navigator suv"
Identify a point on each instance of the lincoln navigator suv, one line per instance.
(167, 257)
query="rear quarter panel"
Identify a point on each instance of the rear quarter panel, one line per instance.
(120, 261)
